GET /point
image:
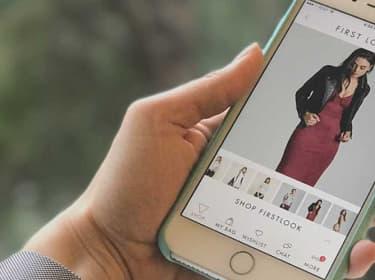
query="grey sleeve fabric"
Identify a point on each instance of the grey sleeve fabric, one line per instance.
(33, 266)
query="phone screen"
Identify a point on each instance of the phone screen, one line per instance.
(298, 164)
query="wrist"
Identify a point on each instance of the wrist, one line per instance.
(72, 240)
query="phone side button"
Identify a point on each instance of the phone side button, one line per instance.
(242, 263)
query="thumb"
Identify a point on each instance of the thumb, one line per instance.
(362, 258)
(215, 92)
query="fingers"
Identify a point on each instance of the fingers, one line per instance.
(348, 135)
(311, 119)
(362, 258)
(342, 137)
(200, 134)
(345, 137)
(197, 138)
(316, 117)
(214, 122)
(214, 93)
(311, 123)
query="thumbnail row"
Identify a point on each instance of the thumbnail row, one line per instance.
(280, 194)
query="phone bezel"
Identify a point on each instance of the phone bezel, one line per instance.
(215, 251)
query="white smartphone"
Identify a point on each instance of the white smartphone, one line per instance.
(286, 186)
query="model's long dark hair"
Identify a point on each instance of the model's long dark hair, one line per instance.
(319, 205)
(343, 213)
(347, 67)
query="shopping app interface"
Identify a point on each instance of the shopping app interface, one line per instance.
(297, 166)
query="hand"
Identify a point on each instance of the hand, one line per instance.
(113, 226)
(311, 119)
(110, 232)
(362, 258)
(345, 136)
(152, 155)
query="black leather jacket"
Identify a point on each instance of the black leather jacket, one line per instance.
(317, 91)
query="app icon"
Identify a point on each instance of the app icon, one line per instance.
(203, 208)
(229, 222)
(288, 246)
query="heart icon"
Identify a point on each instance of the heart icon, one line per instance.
(258, 233)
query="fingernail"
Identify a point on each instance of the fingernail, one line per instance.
(246, 51)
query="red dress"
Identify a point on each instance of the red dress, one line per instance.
(312, 215)
(310, 150)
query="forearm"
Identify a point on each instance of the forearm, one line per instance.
(72, 240)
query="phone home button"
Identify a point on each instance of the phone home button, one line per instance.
(242, 263)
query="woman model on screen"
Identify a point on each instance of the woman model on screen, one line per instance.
(313, 210)
(236, 182)
(214, 167)
(326, 105)
(340, 221)
(288, 200)
(263, 188)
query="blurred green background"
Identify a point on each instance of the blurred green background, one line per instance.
(68, 71)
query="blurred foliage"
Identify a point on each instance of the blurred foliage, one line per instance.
(68, 71)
